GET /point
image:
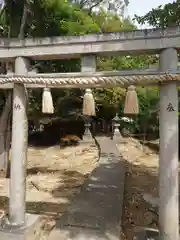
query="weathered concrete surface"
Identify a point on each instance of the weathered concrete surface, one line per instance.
(95, 213)
(151, 40)
(27, 233)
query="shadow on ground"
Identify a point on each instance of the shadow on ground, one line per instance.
(139, 179)
(96, 212)
(71, 180)
(153, 145)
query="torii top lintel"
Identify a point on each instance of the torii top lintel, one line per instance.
(130, 42)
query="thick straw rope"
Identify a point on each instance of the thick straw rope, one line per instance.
(123, 81)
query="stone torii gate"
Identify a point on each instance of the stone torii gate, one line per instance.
(165, 42)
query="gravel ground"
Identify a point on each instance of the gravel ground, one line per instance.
(54, 175)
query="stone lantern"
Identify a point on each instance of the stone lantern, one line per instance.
(116, 135)
(87, 133)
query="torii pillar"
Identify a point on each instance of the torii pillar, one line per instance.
(17, 201)
(168, 165)
(18, 225)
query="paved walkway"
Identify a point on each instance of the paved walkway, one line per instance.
(95, 213)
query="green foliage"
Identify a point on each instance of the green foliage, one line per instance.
(109, 101)
(163, 16)
(64, 18)
(58, 17)
(147, 120)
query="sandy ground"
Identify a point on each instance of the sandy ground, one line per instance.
(54, 175)
(141, 178)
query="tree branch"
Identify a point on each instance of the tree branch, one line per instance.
(23, 21)
(95, 5)
(3, 10)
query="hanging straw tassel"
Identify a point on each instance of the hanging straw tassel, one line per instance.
(89, 104)
(131, 106)
(47, 102)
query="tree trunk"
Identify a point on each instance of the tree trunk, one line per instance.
(16, 30)
(5, 134)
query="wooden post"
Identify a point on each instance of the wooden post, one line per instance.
(17, 203)
(88, 64)
(168, 166)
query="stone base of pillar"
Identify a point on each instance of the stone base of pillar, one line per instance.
(9, 232)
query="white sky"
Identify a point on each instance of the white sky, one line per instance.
(141, 7)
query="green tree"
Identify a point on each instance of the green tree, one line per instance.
(30, 18)
(162, 16)
(147, 121)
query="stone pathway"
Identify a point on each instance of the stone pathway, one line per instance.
(95, 213)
